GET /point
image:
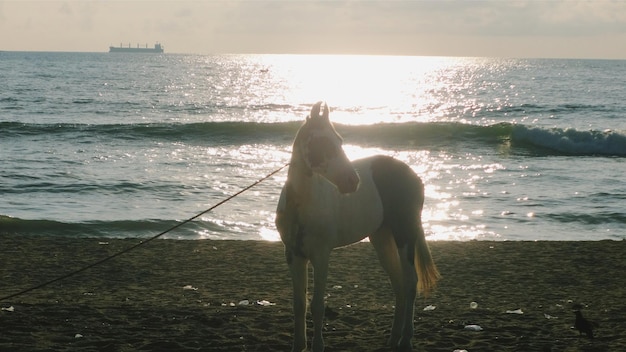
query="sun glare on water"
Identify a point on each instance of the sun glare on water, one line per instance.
(370, 89)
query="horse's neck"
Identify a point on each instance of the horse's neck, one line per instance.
(299, 178)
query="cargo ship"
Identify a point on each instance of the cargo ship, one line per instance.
(128, 49)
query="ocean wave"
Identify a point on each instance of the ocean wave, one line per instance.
(570, 141)
(539, 140)
(431, 134)
(32, 185)
(209, 132)
(251, 132)
(589, 218)
(105, 229)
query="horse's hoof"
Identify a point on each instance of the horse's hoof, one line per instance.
(393, 341)
(317, 346)
(404, 346)
(298, 348)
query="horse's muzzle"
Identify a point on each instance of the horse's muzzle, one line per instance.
(349, 182)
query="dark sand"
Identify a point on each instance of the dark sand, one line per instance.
(138, 301)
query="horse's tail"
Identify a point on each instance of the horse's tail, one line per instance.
(425, 267)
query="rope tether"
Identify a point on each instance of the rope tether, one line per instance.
(144, 241)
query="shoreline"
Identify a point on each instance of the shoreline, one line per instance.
(181, 295)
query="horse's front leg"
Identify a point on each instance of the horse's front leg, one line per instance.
(320, 276)
(298, 270)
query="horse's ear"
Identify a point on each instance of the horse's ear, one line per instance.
(326, 110)
(319, 110)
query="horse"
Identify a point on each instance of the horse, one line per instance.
(328, 202)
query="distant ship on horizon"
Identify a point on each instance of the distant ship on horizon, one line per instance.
(128, 49)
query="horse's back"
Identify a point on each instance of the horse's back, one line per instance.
(395, 181)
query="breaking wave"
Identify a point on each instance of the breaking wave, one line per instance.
(105, 229)
(543, 141)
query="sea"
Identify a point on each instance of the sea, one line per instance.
(125, 145)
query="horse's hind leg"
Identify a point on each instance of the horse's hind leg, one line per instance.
(298, 270)
(409, 278)
(387, 252)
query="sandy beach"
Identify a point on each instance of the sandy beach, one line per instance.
(207, 295)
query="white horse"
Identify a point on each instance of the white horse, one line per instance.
(329, 202)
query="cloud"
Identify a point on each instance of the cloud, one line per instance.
(486, 18)
(545, 18)
(381, 23)
(65, 9)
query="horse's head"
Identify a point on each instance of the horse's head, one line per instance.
(319, 146)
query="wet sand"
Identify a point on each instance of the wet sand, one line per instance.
(191, 296)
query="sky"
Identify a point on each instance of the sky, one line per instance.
(491, 28)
